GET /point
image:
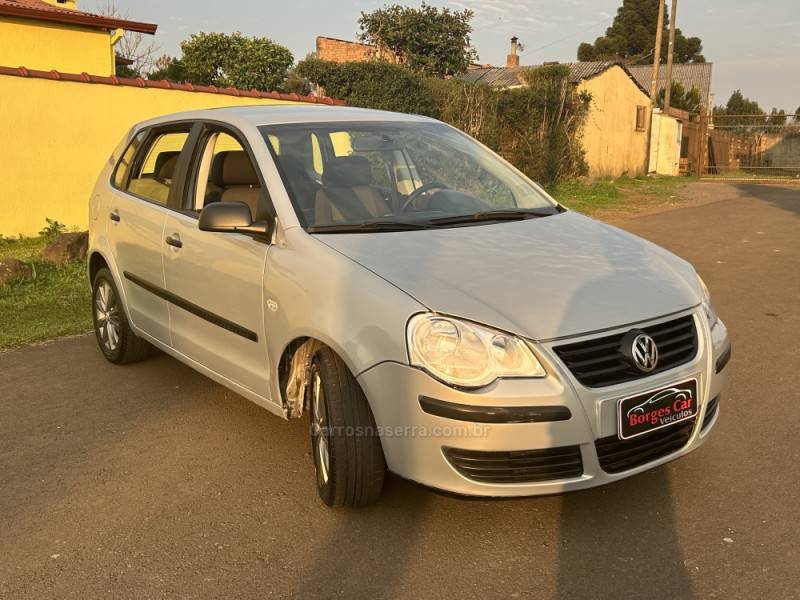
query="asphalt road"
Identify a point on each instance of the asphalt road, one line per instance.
(150, 481)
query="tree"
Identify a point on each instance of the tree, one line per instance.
(125, 70)
(373, 84)
(680, 97)
(632, 36)
(426, 39)
(776, 120)
(741, 115)
(235, 60)
(134, 46)
(738, 104)
(169, 68)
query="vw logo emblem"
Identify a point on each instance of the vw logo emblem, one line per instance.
(644, 352)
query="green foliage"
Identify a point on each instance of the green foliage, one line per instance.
(52, 229)
(680, 97)
(742, 115)
(55, 302)
(373, 84)
(427, 39)
(125, 70)
(632, 36)
(170, 69)
(777, 119)
(235, 60)
(738, 104)
(536, 127)
(296, 84)
(471, 107)
(623, 195)
(540, 125)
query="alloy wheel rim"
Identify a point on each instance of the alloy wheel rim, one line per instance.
(106, 312)
(320, 419)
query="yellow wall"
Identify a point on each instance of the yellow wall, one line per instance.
(57, 135)
(612, 144)
(665, 146)
(46, 46)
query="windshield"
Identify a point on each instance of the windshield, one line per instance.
(394, 176)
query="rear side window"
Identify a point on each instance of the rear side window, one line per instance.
(153, 170)
(124, 164)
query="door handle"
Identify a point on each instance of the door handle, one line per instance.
(114, 216)
(175, 242)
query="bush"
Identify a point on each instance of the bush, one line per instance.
(471, 107)
(540, 125)
(371, 84)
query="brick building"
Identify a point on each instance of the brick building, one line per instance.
(336, 50)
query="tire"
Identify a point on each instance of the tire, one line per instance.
(342, 427)
(117, 341)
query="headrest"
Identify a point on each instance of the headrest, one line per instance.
(238, 170)
(165, 165)
(347, 171)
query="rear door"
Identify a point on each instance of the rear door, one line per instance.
(215, 281)
(144, 184)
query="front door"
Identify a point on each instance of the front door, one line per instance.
(142, 186)
(215, 281)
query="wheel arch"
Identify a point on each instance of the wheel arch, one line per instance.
(96, 262)
(294, 366)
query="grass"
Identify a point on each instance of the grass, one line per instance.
(54, 303)
(617, 196)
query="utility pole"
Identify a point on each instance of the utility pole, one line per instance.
(670, 52)
(657, 53)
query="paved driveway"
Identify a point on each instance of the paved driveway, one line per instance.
(150, 481)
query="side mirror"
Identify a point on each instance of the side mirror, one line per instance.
(231, 217)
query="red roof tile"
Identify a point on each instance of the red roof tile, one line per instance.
(42, 11)
(164, 85)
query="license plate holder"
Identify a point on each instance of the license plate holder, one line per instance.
(653, 410)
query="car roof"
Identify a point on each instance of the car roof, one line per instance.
(275, 114)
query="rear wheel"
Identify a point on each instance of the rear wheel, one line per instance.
(348, 458)
(117, 341)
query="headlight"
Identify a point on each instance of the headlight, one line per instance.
(465, 354)
(708, 307)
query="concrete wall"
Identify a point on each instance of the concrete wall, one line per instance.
(45, 46)
(613, 145)
(57, 134)
(665, 145)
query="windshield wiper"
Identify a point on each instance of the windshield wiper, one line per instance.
(496, 215)
(368, 227)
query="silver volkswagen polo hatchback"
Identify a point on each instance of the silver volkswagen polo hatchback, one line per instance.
(431, 310)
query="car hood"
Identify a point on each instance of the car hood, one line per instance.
(540, 278)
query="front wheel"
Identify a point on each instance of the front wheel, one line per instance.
(348, 458)
(117, 341)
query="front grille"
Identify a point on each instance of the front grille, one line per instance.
(517, 466)
(618, 455)
(599, 362)
(711, 410)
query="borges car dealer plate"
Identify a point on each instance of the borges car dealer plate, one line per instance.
(657, 409)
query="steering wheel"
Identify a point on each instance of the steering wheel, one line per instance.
(415, 195)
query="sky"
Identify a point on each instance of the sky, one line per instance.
(755, 46)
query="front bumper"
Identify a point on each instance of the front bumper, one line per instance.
(415, 442)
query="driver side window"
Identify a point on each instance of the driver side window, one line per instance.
(226, 173)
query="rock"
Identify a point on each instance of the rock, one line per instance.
(11, 269)
(67, 247)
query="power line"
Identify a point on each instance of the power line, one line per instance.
(571, 35)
